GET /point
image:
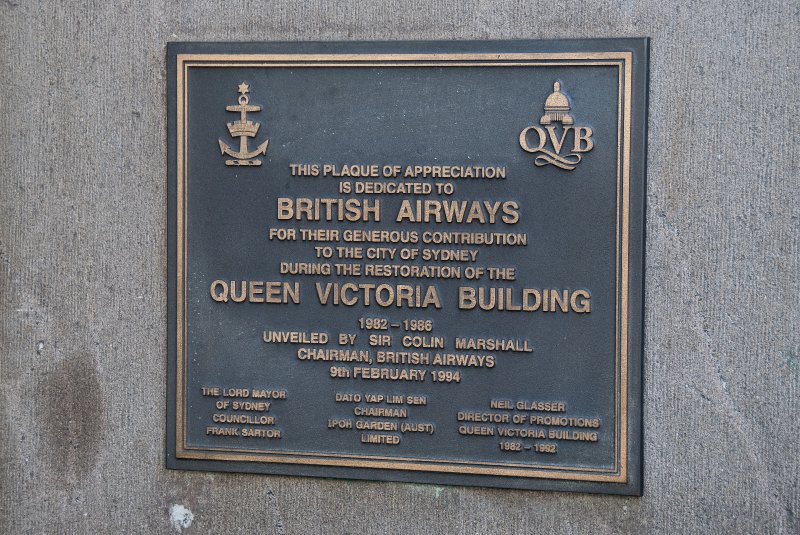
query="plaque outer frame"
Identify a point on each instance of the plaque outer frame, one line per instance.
(634, 53)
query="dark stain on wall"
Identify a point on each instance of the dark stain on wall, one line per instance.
(72, 411)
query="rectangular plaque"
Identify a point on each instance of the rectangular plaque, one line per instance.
(408, 261)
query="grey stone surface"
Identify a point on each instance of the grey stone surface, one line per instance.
(83, 276)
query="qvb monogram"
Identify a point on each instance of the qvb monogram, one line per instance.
(551, 140)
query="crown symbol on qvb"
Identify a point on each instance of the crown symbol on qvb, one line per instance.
(243, 129)
(556, 107)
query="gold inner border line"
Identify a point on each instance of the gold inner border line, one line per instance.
(403, 459)
(407, 64)
(446, 57)
(471, 462)
(623, 59)
(261, 451)
(311, 453)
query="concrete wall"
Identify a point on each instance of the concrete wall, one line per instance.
(83, 273)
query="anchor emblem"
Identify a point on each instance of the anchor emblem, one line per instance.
(243, 129)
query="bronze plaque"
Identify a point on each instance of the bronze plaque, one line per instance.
(408, 261)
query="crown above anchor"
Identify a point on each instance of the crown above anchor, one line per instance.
(243, 129)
